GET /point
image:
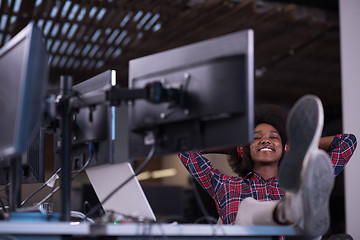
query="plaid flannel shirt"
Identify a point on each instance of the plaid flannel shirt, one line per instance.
(229, 191)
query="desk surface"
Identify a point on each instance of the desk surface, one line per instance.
(192, 230)
(145, 229)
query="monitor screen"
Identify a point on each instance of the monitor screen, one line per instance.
(215, 81)
(24, 73)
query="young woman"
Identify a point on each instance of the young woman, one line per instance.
(258, 168)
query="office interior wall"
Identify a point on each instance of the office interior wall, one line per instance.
(350, 66)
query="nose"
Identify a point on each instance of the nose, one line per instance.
(265, 141)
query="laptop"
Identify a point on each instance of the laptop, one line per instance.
(129, 200)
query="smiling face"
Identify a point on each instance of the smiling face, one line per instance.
(267, 147)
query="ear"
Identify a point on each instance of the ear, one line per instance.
(286, 147)
(240, 152)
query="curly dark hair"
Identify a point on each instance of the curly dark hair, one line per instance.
(240, 160)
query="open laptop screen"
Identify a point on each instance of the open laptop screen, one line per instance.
(129, 200)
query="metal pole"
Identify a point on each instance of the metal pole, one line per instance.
(65, 91)
(15, 183)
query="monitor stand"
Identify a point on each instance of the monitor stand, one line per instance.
(15, 183)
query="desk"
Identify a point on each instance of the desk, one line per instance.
(155, 231)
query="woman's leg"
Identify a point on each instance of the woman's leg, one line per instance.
(253, 212)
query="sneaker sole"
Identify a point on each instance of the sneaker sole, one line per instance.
(318, 181)
(304, 127)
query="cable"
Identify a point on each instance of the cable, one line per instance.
(211, 220)
(77, 214)
(205, 213)
(59, 187)
(83, 167)
(137, 172)
(3, 207)
(4, 188)
(47, 197)
(41, 187)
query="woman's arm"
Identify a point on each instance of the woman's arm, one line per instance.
(325, 143)
(340, 150)
(202, 171)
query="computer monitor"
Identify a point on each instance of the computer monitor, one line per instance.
(215, 79)
(95, 124)
(23, 80)
(32, 162)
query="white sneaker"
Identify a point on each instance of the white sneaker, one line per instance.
(305, 171)
(309, 206)
(304, 127)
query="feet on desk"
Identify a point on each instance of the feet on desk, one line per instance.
(305, 172)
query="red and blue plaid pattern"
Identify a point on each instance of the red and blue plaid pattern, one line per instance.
(341, 150)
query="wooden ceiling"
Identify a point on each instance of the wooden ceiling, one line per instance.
(294, 55)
